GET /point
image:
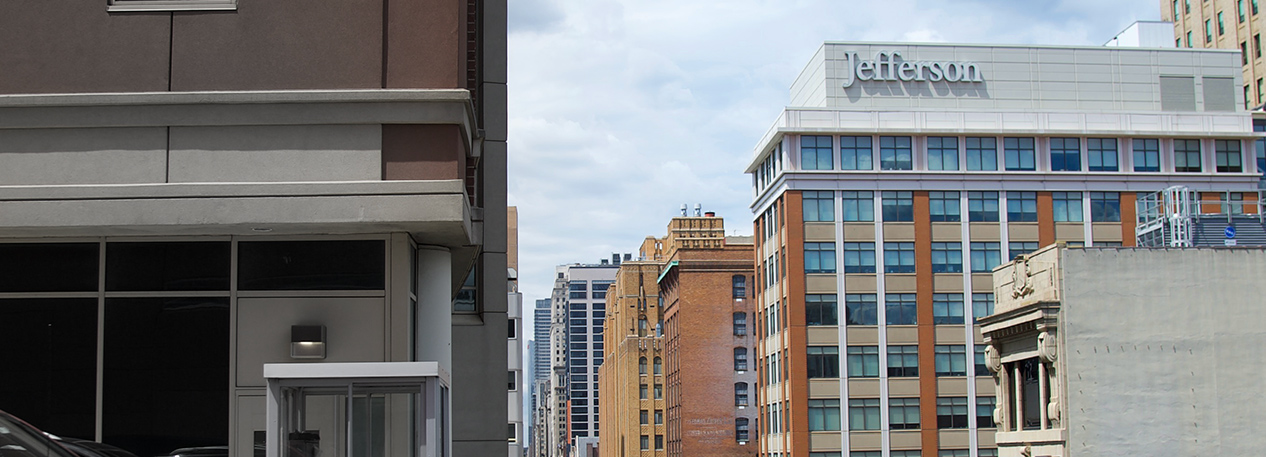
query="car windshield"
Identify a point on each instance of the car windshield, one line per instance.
(20, 440)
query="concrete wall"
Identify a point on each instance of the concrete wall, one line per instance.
(1161, 350)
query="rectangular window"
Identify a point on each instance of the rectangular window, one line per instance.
(819, 206)
(1208, 31)
(985, 256)
(642, 391)
(947, 308)
(1021, 206)
(1067, 206)
(859, 257)
(1065, 154)
(982, 154)
(659, 417)
(898, 206)
(855, 153)
(903, 413)
(859, 206)
(738, 287)
(951, 360)
(1189, 38)
(947, 257)
(953, 453)
(1019, 154)
(981, 306)
(863, 413)
(944, 207)
(1260, 147)
(984, 411)
(740, 359)
(898, 257)
(1105, 207)
(900, 309)
(895, 153)
(823, 361)
(942, 153)
(1253, 2)
(1146, 154)
(659, 391)
(951, 412)
(981, 369)
(312, 265)
(861, 309)
(815, 152)
(740, 324)
(820, 309)
(1019, 248)
(982, 206)
(1101, 154)
(644, 417)
(1221, 25)
(646, 442)
(1239, 8)
(903, 361)
(1187, 156)
(1228, 155)
(819, 257)
(863, 361)
(824, 415)
(1257, 41)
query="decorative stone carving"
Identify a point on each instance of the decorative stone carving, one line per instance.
(1046, 348)
(993, 358)
(1021, 279)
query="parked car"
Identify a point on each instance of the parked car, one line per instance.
(89, 448)
(20, 439)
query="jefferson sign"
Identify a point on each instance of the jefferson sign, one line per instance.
(888, 66)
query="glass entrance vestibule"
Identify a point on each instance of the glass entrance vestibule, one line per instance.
(357, 410)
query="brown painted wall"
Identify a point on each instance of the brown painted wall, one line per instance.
(1045, 219)
(426, 44)
(422, 152)
(797, 359)
(924, 318)
(1128, 218)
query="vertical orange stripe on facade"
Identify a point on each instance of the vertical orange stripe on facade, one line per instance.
(1045, 219)
(1128, 218)
(926, 327)
(797, 358)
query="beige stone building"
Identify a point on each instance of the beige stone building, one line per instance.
(1224, 24)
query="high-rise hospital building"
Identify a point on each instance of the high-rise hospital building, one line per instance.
(900, 175)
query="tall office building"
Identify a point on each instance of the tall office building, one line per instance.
(1224, 24)
(900, 175)
(540, 334)
(203, 200)
(517, 378)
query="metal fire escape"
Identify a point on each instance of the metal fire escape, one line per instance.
(1179, 217)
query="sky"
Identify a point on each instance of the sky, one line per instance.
(621, 111)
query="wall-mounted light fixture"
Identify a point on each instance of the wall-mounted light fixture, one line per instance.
(307, 341)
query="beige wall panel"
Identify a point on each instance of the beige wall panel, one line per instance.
(951, 386)
(819, 231)
(906, 334)
(900, 283)
(955, 439)
(1106, 231)
(984, 231)
(824, 441)
(819, 283)
(947, 231)
(353, 326)
(899, 231)
(859, 284)
(83, 156)
(859, 336)
(856, 231)
(823, 335)
(982, 283)
(950, 334)
(1070, 231)
(948, 282)
(824, 388)
(266, 153)
(1022, 231)
(985, 386)
(903, 387)
(905, 439)
(985, 438)
(863, 388)
(862, 441)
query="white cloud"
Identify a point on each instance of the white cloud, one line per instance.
(620, 111)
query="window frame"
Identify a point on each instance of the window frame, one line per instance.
(944, 309)
(1067, 207)
(978, 203)
(1065, 154)
(819, 310)
(1098, 152)
(903, 361)
(818, 152)
(1223, 155)
(1187, 154)
(822, 255)
(950, 360)
(896, 153)
(859, 257)
(860, 306)
(945, 206)
(899, 257)
(822, 362)
(984, 151)
(1105, 207)
(1019, 153)
(824, 414)
(818, 205)
(938, 152)
(862, 203)
(951, 412)
(863, 361)
(901, 309)
(1021, 206)
(897, 206)
(947, 257)
(902, 408)
(1147, 152)
(857, 153)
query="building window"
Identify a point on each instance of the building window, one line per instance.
(824, 415)
(815, 153)
(740, 324)
(981, 369)
(644, 417)
(898, 257)
(1208, 31)
(1019, 248)
(1239, 8)
(947, 257)
(947, 308)
(984, 411)
(861, 309)
(659, 391)
(819, 257)
(740, 359)
(1101, 154)
(646, 442)
(1253, 2)
(1221, 25)
(1105, 207)
(951, 412)
(514, 381)
(1146, 154)
(942, 153)
(863, 413)
(741, 432)
(900, 309)
(658, 366)
(740, 394)
(823, 361)
(982, 206)
(820, 310)
(863, 361)
(1065, 154)
(1187, 5)
(1189, 38)
(903, 361)
(855, 153)
(659, 417)
(641, 366)
(895, 153)
(903, 413)
(641, 392)
(739, 286)
(1187, 156)
(982, 154)
(898, 206)
(1018, 154)
(1257, 46)
(858, 206)
(1260, 147)
(819, 206)
(953, 453)
(859, 257)
(1228, 155)
(1067, 206)
(1021, 206)
(659, 442)
(951, 360)
(981, 306)
(944, 207)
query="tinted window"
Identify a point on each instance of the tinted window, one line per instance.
(51, 381)
(311, 265)
(49, 267)
(167, 266)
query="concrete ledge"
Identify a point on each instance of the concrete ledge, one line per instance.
(221, 190)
